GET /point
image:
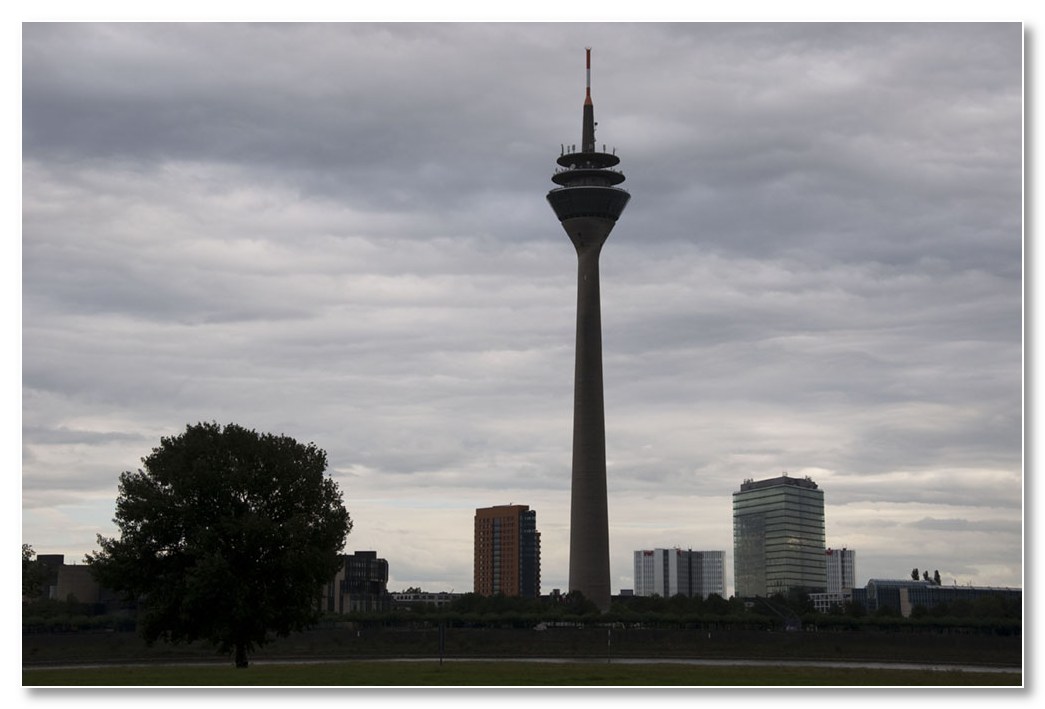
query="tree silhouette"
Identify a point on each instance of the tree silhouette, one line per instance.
(32, 573)
(225, 535)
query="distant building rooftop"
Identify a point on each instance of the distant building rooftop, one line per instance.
(782, 480)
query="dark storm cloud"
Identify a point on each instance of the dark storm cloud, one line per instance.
(339, 232)
(383, 116)
(864, 144)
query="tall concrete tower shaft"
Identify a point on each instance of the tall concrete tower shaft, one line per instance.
(588, 204)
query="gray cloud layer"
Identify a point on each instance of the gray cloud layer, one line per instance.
(339, 232)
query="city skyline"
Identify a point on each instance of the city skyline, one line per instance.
(339, 233)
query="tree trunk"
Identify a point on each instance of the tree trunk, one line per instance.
(241, 654)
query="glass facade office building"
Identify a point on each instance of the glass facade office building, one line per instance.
(778, 537)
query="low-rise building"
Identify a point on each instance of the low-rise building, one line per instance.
(360, 585)
(412, 599)
(75, 582)
(831, 601)
(903, 595)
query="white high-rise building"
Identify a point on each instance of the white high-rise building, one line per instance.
(669, 572)
(841, 570)
(841, 580)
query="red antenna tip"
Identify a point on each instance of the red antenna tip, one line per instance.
(587, 84)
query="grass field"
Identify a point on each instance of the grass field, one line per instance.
(503, 674)
(489, 643)
(398, 658)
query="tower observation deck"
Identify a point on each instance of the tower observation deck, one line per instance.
(587, 179)
(588, 203)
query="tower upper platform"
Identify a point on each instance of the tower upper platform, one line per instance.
(587, 181)
(588, 169)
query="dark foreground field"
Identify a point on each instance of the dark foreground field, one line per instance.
(335, 652)
(463, 673)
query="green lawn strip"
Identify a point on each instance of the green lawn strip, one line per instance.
(341, 644)
(465, 674)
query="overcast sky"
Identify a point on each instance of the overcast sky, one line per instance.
(340, 233)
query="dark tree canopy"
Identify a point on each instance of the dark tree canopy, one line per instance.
(226, 535)
(32, 573)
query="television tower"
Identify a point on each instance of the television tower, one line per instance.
(588, 204)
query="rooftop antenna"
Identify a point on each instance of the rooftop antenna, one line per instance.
(587, 78)
(588, 125)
